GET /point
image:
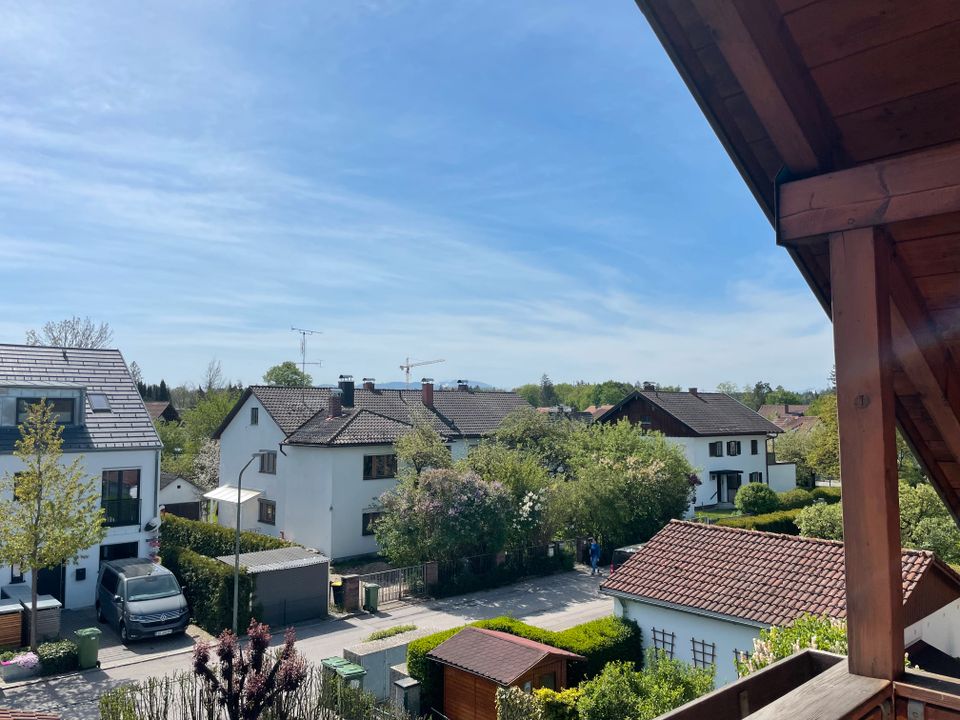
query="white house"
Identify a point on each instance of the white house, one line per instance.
(702, 593)
(105, 422)
(179, 496)
(329, 455)
(723, 439)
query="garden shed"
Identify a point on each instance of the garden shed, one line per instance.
(289, 584)
(477, 661)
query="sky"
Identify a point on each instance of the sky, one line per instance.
(517, 188)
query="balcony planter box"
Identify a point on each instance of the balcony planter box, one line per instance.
(12, 672)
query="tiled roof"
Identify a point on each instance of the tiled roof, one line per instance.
(166, 478)
(789, 417)
(497, 656)
(126, 426)
(773, 411)
(279, 559)
(704, 413)
(379, 416)
(17, 714)
(760, 577)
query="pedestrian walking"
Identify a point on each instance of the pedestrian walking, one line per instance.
(594, 557)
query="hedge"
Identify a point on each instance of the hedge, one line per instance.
(827, 494)
(778, 522)
(58, 657)
(794, 499)
(599, 641)
(208, 586)
(212, 540)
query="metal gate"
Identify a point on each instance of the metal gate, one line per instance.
(398, 584)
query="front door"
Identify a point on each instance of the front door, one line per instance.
(733, 484)
(53, 581)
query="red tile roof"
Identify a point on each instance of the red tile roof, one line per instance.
(495, 655)
(764, 578)
(15, 714)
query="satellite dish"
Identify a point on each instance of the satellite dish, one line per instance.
(152, 525)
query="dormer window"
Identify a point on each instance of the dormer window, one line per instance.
(99, 402)
(62, 409)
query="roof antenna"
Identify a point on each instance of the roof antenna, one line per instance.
(303, 356)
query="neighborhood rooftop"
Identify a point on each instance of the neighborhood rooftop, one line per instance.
(125, 424)
(278, 559)
(497, 656)
(758, 577)
(306, 416)
(705, 413)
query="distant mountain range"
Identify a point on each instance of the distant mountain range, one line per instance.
(414, 384)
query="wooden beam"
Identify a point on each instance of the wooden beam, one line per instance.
(761, 54)
(903, 188)
(859, 262)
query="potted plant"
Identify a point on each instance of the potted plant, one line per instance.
(19, 667)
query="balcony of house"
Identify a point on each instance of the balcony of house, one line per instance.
(121, 512)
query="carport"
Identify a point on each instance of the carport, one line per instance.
(290, 584)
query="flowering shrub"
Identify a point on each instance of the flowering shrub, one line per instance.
(807, 631)
(27, 661)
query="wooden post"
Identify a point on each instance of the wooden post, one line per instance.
(859, 268)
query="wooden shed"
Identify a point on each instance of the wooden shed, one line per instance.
(477, 661)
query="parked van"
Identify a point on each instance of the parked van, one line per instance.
(140, 599)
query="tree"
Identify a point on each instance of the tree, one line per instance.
(202, 420)
(213, 377)
(807, 631)
(729, 388)
(756, 498)
(442, 515)
(794, 446)
(206, 465)
(548, 396)
(136, 374)
(824, 452)
(529, 431)
(925, 522)
(821, 520)
(53, 513)
(177, 456)
(529, 392)
(756, 396)
(287, 374)
(74, 332)
(519, 472)
(423, 448)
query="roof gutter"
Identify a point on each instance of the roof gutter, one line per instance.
(684, 608)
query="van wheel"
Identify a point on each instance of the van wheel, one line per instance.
(124, 637)
(100, 618)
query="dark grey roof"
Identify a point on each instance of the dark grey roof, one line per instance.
(378, 416)
(279, 559)
(126, 426)
(704, 413)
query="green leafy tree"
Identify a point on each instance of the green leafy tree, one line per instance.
(610, 392)
(423, 448)
(940, 535)
(821, 520)
(51, 512)
(205, 417)
(442, 515)
(926, 523)
(177, 456)
(781, 396)
(729, 388)
(824, 452)
(807, 631)
(548, 395)
(545, 437)
(756, 498)
(287, 374)
(520, 472)
(794, 447)
(908, 469)
(529, 392)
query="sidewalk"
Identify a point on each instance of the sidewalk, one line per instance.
(554, 602)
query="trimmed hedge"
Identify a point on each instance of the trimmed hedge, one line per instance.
(58, 657)
(599, 641)
(794, 499)
(827, 494)
(210, 539)
(208, 586)
(781, 521)
(757, 498)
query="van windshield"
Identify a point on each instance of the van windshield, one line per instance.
(152, 587)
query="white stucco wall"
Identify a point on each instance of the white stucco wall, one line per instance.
(82, 593)
(941, 629)
(179, 491)
(727, 635)
(783, 476)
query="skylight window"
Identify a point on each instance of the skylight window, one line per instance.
(99, 402)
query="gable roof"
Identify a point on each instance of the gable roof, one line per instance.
(756, 577)
(495, 655)
(704, 413)
(126, 426)
(377, 416)
(166, 478)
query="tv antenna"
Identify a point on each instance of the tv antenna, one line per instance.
(303, 353)
(408, 365)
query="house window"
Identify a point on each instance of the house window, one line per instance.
(756, 477)
(268, 512)
(754, 447)
(664, 642)
(378, 467)
(62, 409)
(704, 653)
(716, 449)
(268, 463)
(120, 497)
(548, 680)
(369, 519)
(254, 416)
(733, 447)
(99, 402)
(118, 551)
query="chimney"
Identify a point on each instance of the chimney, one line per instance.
(369, 383)
(463, 386)
(786, 409)
(693, 391)
(346, 387)
(335, 407)
(427, 389)
(649, 386)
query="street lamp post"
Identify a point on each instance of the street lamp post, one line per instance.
(236, 544)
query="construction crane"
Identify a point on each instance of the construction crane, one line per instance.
(406, 367)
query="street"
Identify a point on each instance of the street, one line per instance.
(554, 602)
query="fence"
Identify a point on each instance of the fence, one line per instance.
(494, 569)
(399, 583)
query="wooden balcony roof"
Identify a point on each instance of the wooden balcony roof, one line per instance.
(844, 114)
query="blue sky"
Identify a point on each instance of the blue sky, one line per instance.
(516, 187)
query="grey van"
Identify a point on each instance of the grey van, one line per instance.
(140, 599)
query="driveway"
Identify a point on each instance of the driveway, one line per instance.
(555, 602)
